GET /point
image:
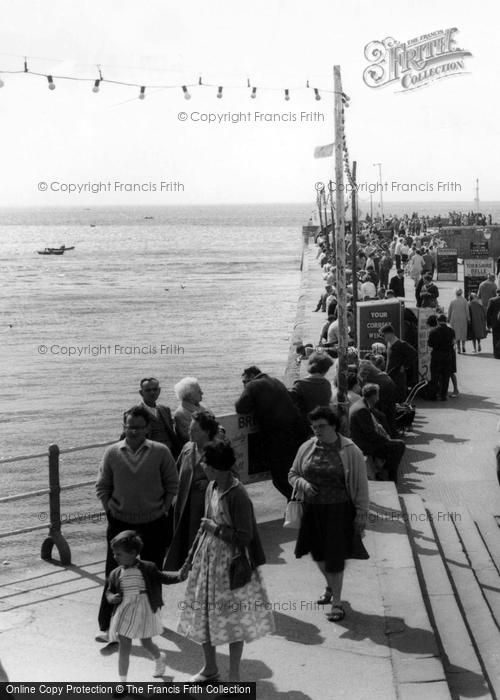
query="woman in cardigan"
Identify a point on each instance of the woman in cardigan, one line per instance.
(213, 612)
(477, 321)
(329, 473)
(190, 501)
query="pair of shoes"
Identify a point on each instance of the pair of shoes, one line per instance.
(337, 614)
(479, 348)
(160, 665)
(326, 598)
(454, 395)
(202, 678)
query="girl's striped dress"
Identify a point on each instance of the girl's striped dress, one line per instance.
(133, 617)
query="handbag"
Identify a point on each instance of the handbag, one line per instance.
(294, 511)
(240, 569)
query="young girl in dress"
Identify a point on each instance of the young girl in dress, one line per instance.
(134, 587)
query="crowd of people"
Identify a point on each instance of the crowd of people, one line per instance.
(416, 224)
(177, 510)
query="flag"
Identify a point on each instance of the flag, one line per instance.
(324, 151)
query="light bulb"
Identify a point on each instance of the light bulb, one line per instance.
(317, 96)
(1, 83)
(254, 93)
(287, 95)
(142, 93)
(96, 86)
(52, 85)
(187, 96)
(219, 91)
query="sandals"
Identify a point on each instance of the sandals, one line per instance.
(337, 614)
(326, 598)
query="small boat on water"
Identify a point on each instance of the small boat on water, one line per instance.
(51, 251)
(55, 251)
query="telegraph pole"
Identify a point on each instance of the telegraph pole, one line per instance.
(340, 244)
(354, 251)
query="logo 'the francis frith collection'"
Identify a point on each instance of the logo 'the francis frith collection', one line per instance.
(416, 62)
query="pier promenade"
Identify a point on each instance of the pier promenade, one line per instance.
(422, 613)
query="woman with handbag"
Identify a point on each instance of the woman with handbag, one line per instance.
(329, 473)
(225, 601)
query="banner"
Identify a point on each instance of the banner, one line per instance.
(372, 315)
(447, 264)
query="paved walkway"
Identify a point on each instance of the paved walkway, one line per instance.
(385, 648)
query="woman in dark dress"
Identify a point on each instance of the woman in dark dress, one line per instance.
(314, 389)
(329, 473)
(190, 502)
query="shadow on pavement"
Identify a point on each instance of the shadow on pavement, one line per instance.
(82, 575)
(273, 535)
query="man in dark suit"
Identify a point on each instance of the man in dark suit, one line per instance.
(280, 424)
(161, 426)
(441, 340)
(493, 322)
(401, 357)
(397, 283)
(370, 431)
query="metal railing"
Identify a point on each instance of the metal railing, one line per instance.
(237, 429)
(55, 536)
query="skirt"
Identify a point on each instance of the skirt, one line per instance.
(133, 618)
(327, 534)
(211, 611)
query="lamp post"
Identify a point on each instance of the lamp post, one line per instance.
(380, 182)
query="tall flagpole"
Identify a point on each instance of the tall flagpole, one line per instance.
(340, 245)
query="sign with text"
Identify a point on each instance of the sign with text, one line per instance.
(372, 315)
(475, 271)
(447, 264)
(424, 351)
(480, 250)
(242, 432)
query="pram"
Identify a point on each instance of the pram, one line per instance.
(405, 411)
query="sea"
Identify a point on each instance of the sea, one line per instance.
(168, 292)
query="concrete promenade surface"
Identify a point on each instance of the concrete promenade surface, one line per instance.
(385, 648)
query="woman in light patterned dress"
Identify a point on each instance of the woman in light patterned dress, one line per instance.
(134, 587)
(212, 613)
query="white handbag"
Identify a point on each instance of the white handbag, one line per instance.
(293, 512)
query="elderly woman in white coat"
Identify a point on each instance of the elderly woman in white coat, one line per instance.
(458, 318)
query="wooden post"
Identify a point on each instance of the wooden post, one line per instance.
(325, 214)
(332, 213)
(340, 246)
(354, 252)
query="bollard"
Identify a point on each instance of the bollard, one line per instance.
(55, 536)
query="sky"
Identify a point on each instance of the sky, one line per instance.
(70, 137)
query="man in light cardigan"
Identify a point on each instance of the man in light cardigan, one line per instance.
(136, 483)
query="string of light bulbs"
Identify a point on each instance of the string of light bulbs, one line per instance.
(98, 80)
